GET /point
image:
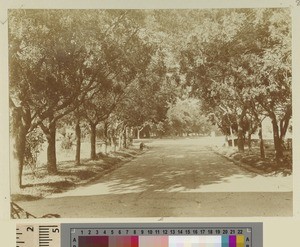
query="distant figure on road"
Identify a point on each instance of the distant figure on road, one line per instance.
(142, 145)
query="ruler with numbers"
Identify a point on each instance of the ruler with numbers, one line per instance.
(36, 235)
(139, 234)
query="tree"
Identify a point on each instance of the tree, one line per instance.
(51, 65)
(98, 109)
(146, 100)
(127, 58)
(185, 116)
(58, 57)
(269, 71)
(246, 54)
(206, 61)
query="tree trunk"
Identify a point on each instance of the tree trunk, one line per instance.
(105, 148)
(231, 136)
(120, 140)
(249, 140)
(277, 141)
(125, 138)
(138, 133)
(105, 136)
(241, 139)
(78, 142)
(283, 125)
(19, 153)
(93, 141)
(261, 142)
(51, 150)
(130, 136)
(21, 124)
(20, 172)
(284, 122)
(113, 140)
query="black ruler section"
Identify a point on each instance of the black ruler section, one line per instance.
(44, 235)
(19, 240)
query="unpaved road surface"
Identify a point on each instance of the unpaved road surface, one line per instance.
(174, 178)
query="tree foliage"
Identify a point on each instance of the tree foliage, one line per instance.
(158, 68)
(243, 66)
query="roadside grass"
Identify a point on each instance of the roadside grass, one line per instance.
(39, 184)
(251, 160)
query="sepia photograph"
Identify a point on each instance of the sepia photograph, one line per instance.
(150, 112)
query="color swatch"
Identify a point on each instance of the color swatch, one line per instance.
(162, 241)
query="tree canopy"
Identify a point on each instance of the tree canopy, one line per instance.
(175, 71)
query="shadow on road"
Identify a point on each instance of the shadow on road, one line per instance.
(166, 181)
(173, 166)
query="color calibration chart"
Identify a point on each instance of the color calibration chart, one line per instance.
(163, 235)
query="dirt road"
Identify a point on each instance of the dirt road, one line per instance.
(174, 178)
